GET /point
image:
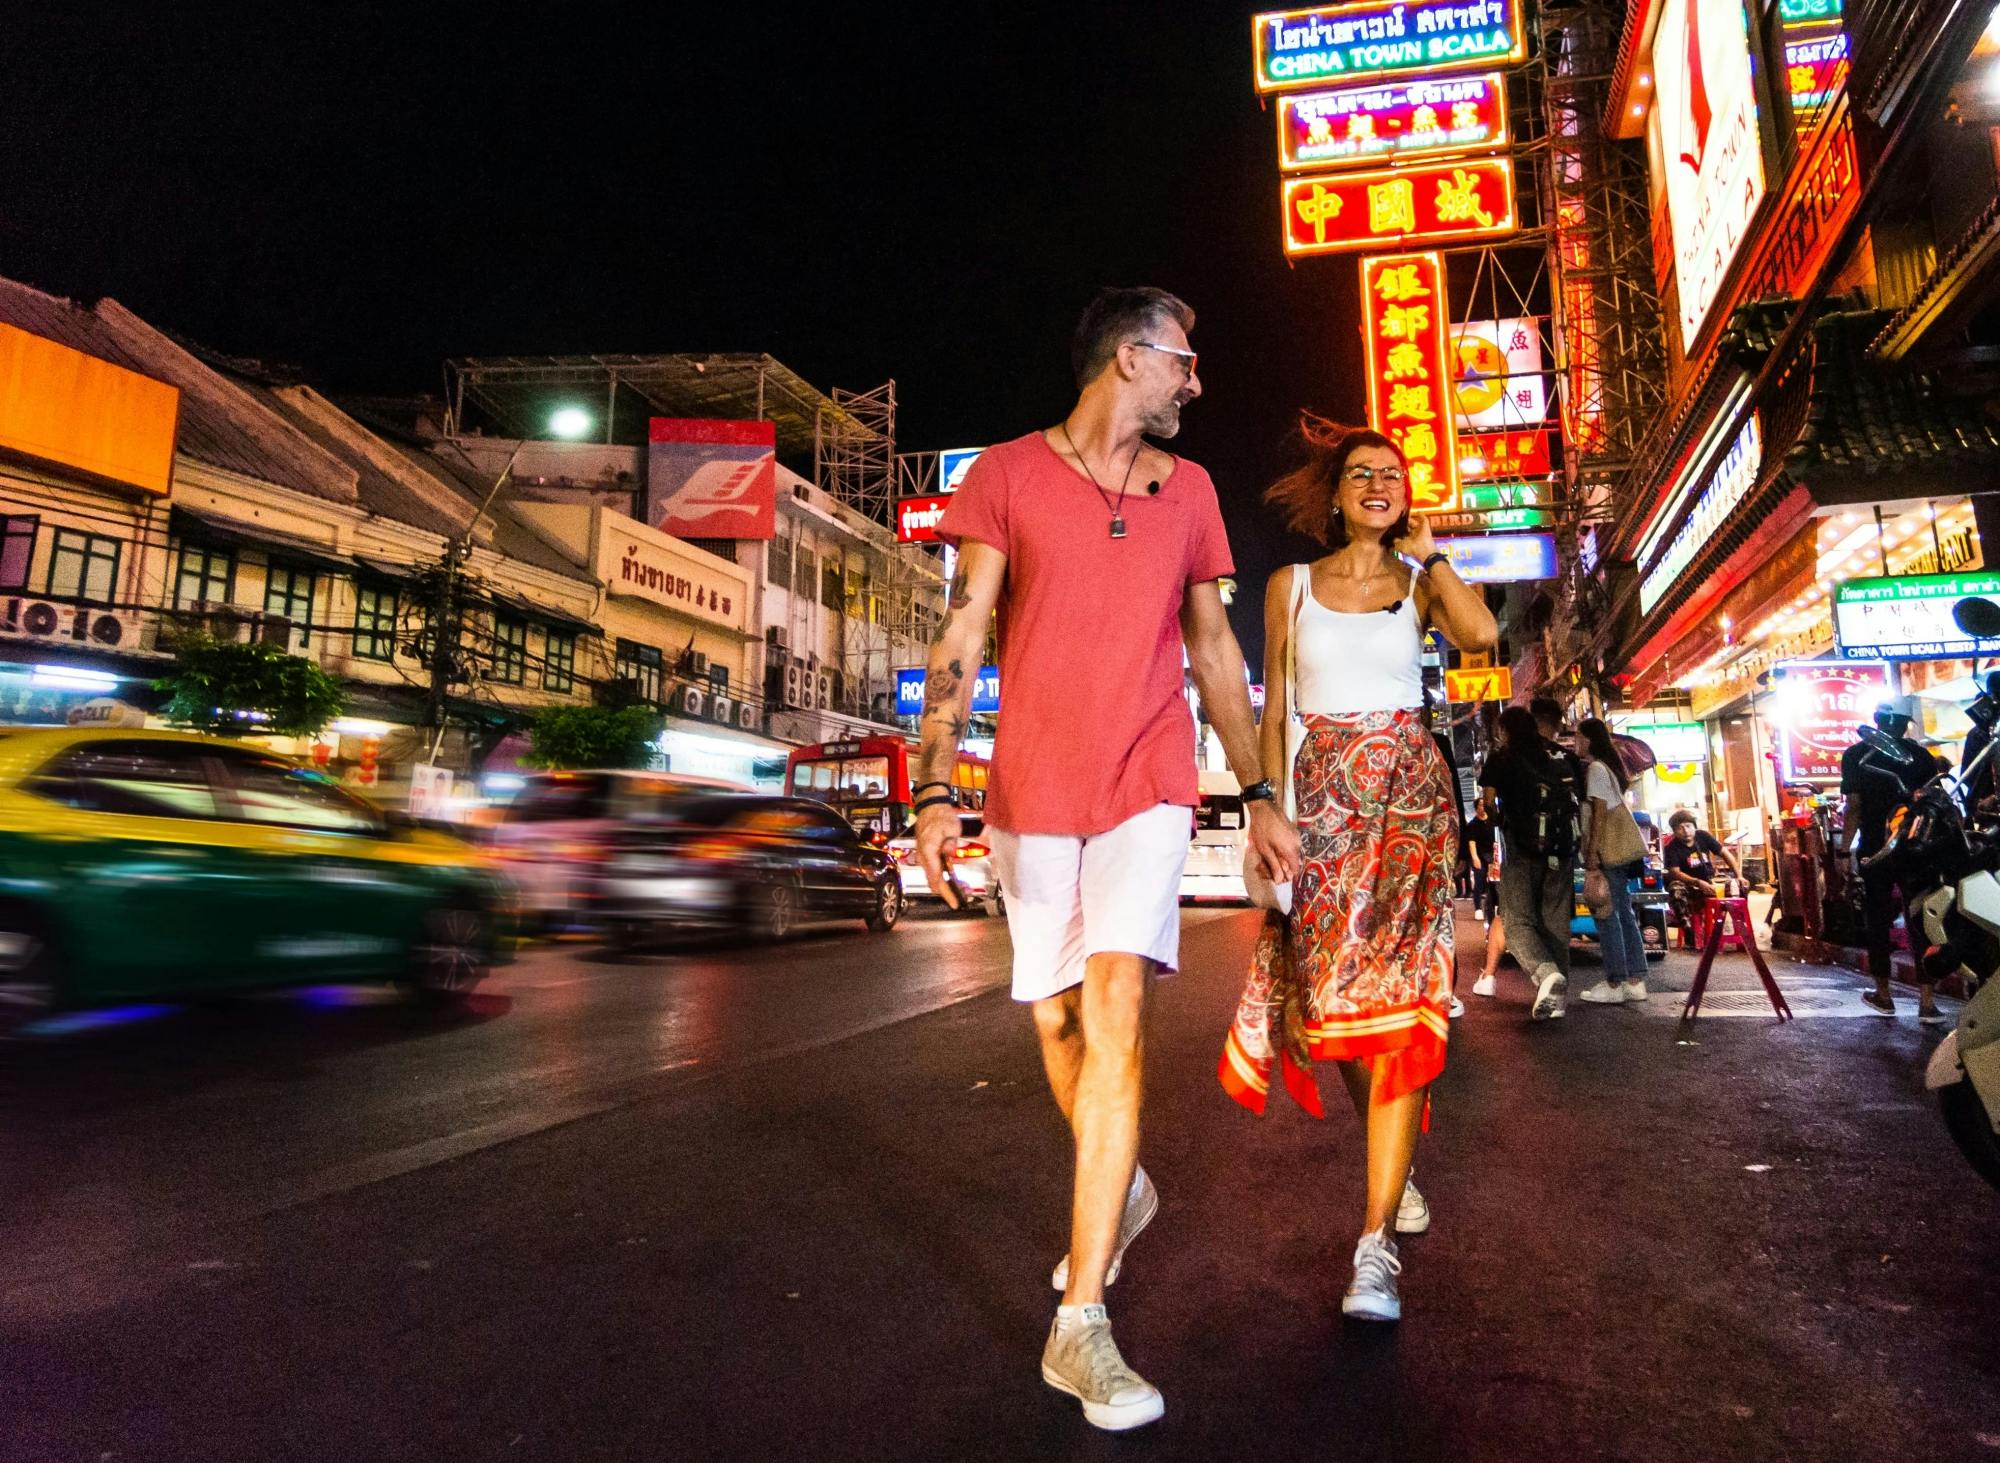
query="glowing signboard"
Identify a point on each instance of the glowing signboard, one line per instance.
(953, 464)
(1384, 38)
(1476, 496)
(1726, 485)
(1493, 683)
(1390, 122)
(1815, 69)
(1502, 558)
(1493, 519)
(1522, 454)
(1908, 617)
(1431, 203)
(1708, 142)
(917, 518)
(1821, 705)
(1497, 373)
(910, 692)
(1808, 12)
(1403, 306)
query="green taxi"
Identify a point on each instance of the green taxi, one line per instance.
(138, 864)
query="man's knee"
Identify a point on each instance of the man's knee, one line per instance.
(1114, 1001)
(1058, 1018)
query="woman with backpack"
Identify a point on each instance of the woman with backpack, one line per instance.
(1614, 851)
(1358, 970)
(1537, 879)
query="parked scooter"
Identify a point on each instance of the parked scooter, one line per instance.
(1950, 853)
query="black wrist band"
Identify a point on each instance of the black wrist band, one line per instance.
(943, 800)
(1431, 561)
(922, 785)
(1258, 792)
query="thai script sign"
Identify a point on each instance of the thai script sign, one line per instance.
(1821, 705)
(1493, 683)
(1403, 305)
(1909, 617)
(1502, 558)
(712, 479)
(1387, 123)
(1730, 480)
(917, 518)
(1430, 203)
(1384, 38)
(638, 569)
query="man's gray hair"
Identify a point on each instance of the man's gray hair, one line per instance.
(1116, 317)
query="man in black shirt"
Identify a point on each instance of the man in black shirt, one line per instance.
(1690, 857)
(1479, 848)
(1874, 787)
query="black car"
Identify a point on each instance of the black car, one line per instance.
(743, 862)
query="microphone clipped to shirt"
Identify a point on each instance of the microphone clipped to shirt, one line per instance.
(1153, 488)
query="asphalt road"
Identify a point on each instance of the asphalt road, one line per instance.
(800, 1202)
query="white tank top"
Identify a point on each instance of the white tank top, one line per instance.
(1346, 662)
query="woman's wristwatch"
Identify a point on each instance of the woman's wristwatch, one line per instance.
(1432, 560)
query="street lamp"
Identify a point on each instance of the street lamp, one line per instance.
(570, 423)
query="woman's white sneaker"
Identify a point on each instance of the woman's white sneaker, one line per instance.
(1635, 990)
(1550, 987)
(1371, 1295)
(1604, 993)
(1486, 985)
(1082, 1360)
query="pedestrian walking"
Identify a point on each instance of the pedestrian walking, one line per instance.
(1614, 853)
(1479, 856)
(1874, 788)
(1089, 811)
(1360, 970)
(1538, 813)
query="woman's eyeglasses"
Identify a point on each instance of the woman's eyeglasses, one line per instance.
(1388, 477)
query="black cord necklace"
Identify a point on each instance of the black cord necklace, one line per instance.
(1117, 510)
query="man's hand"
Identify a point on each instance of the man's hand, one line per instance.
(937, 840)
(1275, 842)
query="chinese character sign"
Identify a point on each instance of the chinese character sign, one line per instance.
(1497, 373)
(1429, 203)
(1504, 455)
(1390, 122)
(1403, 307)
(1384, 38)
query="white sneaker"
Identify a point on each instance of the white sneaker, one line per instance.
(1371, 1295)
(1082, 1360)
(1456, 1009)
(1550, 989)
(1142, 1202)
(1486, 985)
(1604, 993)
(1413, 1215)
(1635, 990)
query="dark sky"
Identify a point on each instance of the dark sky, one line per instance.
(865, 191)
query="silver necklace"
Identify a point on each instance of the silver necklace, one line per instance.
(1117, 510)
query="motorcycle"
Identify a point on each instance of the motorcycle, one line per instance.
(1949, 854)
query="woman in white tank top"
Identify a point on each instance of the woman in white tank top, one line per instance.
(1360, 971)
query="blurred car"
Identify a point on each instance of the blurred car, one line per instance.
(971, 866)
(743, 862)
(560, 826)
(1649, 902)
(141, 864)
(1214, 870)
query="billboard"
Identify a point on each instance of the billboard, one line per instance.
(1706, 113)
(61, 406)
(1521, 454)
(1502, 558)
(1326, 43)
(985, 692)
(917, 518)
(1497, 373)
(1402, 324)
(953, 464)
(1488, 683)
(1391, 122)
(1821, 704)
(1909, 617)
(1725, 485)
(1478, 497)
(1421, 203)
(712, 479)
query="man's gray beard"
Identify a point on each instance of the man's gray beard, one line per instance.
(1166, 422)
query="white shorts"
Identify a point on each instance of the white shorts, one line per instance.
(1071, 898)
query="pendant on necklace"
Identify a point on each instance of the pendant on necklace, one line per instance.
(1118, 527)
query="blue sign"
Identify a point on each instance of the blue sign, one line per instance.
(953, 464)
(1501, 558)
(985, 692)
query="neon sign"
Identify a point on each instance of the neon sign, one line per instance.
(1432, 203)
(1728, 483)
(1359, 124)
(917, 518)
(1384, 38)
(1403, 307)
(1522, 454)
(1502, 558)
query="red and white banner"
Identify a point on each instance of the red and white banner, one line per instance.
(712, 479)
(917, 518)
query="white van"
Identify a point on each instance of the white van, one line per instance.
(1221, 833)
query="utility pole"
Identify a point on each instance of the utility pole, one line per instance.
(446, 608)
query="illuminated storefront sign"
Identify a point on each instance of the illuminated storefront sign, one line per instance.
(1492, 683)
(1909, 617)
(953, 464)
(1403, 305)
(1815, 69)
(917, 518)
(1821, 704)
(1379, 124)
(1732, 478)
(62, 406)
(1425, 204)
(1495, 519)
(1808, 12)
(1502, 558)
(1497, 373)
(910, 692)
(1476, 497)
(1708, 143)
(1504, 454)
(1384, 38)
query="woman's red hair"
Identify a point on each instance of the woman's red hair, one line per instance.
(1304, 497)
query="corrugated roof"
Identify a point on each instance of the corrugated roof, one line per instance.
(222, 424)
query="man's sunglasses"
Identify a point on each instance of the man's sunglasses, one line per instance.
(1187, 357)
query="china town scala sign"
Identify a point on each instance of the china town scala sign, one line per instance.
(643, 571)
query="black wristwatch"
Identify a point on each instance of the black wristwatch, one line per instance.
(1259, 792)
(1431, 561)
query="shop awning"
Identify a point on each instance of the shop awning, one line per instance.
(530, 609)
(751, 741)
(195, 526)
(389, 569)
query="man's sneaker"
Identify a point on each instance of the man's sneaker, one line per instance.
(1486, 985)
(1604, 993)
(1635, 990)
(1413, 1215)
(1371, 1295)
(1549, 991)
(1931, 1018)
(1142, 1202)
(1082, 1360)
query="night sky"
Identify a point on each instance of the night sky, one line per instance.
(925, 193)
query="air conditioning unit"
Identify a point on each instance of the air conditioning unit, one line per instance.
(693, 702)
(794, 681)
(83, 624)
(825, 691)
(774, 636)
(722, 709)
(746, 716)
(694, 663)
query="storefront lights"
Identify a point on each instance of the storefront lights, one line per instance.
(72, 678)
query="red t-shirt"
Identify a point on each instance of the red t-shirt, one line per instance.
(1094, 727)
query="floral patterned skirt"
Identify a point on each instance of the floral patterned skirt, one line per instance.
(1362, 968)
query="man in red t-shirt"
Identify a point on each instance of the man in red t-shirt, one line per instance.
(1101, 555)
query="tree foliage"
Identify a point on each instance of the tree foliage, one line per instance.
(237, 689)
(593, 736)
